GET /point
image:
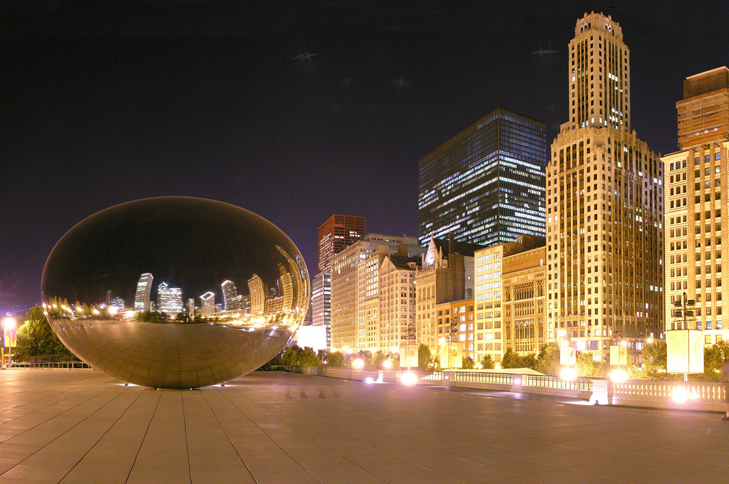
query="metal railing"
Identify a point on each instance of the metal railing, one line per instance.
(481, 377)
(542, 381)
(539, 381)
(49, 365)
(545, 381)
(422, 374)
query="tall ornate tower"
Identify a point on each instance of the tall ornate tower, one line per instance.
(604, 206)
(599, 76)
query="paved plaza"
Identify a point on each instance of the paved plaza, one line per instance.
(78, 426)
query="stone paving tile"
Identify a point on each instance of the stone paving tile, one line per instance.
(279, 471)
(715, 474)
(275, 427)
(339, 471)
(36, 473)
(562, 476)
(7, 463)
(407, 473)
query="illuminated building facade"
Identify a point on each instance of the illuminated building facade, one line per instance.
(523, 302)
(396, 325)
(321, 301)
(697, 214)
(144, 289)
(337, 233)
(446, 275)
(604, 205)
(389, 299)
(486, 184)
(169, 299)
(349, 288)
(333, 236)
(456, 336)
(490, 275)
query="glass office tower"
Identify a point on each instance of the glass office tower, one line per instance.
(486, 184)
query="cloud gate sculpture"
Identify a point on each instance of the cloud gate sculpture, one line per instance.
(175, 292)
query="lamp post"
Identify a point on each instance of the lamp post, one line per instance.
(443, 342)
(683, 317)
(567, 356)
(8, 327)
(619, 350)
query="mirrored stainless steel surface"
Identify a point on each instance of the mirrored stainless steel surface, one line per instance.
(175, 292)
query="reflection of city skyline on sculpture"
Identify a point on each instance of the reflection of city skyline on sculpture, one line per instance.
(261, 299)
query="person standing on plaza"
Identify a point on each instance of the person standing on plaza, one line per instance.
(725, 379)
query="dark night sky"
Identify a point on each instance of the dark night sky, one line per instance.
(107, 101)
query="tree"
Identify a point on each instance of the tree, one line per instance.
(528, 361)
(467, 363)
(714, 358)
(510, 359)
(588, 367)
(548, 360)
(655, 361)
(152, 317)
(364, 355)
(308, 357)
(35, 338)
(378, 359)
(488, 363)
(424, 356)
(334, 358)
(296, 356)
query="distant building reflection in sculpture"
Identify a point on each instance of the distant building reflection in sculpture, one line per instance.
(231, 299)
(207, 304)
(144, 290)
(169, 299)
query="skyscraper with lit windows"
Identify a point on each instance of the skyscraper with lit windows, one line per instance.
(336, 234)
(604, 206)
(486, 184)
(697, 209)
(333, 236)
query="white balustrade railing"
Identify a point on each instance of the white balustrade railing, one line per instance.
(702, 396)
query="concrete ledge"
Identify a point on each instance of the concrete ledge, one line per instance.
(498, 387)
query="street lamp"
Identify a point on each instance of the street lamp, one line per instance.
(567, 356)
(9, 328)
(442, 342)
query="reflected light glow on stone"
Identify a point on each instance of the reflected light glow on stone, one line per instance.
(175, 292)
